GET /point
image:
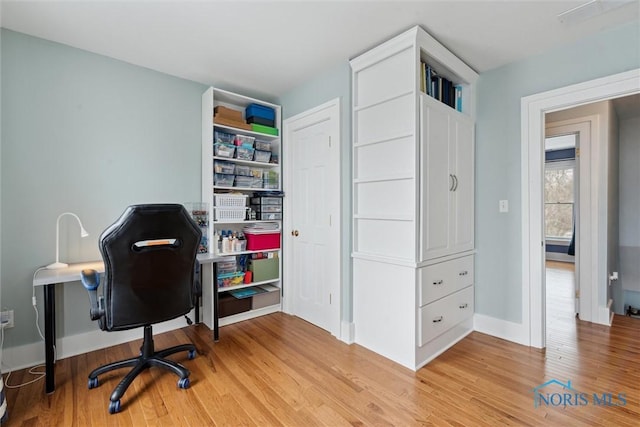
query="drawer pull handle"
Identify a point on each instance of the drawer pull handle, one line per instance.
(438, 282)
(463, 273)
(437, 319)
(465, 305)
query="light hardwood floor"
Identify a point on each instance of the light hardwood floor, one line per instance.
(280, 370)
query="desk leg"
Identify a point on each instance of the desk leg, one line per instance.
(49, 336)
(199, 296)
(216, 329)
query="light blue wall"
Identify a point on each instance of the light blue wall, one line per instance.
(331, 84)
(91, 135)
(498, 236)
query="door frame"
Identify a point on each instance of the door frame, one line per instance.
(533, 109)
(583, 127)
(329, 111)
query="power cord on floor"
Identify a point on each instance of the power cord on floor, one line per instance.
(32, 371)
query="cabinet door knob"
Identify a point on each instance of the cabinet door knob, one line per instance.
(438, 282)
(465, 305)
(452, 182)
(437, 319)
(294, 233)
(463, 273)
(455, 182)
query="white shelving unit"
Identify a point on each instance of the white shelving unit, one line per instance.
(262, 303)
(413, 198)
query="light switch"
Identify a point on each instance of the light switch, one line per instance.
(504, 206)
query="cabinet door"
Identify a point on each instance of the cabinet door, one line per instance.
(436, 181)
(461, 167)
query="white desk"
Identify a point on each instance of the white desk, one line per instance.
(49, 278)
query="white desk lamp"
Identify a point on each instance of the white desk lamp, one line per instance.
(83, 233)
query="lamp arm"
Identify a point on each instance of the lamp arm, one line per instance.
(83, 232)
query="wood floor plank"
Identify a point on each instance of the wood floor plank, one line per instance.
(279, 370)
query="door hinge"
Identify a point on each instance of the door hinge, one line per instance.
(329, 220)
(577, 151)
(329, 298)
(329, 141)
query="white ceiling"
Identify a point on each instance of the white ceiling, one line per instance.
(270, 47)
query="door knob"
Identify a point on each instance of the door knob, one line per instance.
(294, 233)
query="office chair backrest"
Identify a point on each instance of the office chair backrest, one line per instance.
(149, 256)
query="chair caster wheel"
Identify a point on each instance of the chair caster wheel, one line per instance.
(191, 354)
(114, 407)
(93, 383)
(184, 383)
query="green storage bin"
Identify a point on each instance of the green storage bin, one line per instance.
(265, 269)
(264, 129)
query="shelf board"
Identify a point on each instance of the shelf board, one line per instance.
(246, 221)
(221, 187)
(247, 252)
(382, 217)
(231, 129)
(248, 285)
(247, 162)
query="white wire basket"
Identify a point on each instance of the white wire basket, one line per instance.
(230, 214)
(230, 200)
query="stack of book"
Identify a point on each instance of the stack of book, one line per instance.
(439, 87)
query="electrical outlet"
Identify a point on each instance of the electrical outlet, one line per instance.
(6, 319)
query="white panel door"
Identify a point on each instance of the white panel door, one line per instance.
(313, 226)
(462, 197)
(436, 182)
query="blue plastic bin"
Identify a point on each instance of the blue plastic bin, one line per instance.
(256, 110)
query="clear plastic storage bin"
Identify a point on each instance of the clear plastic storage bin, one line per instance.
(223, 137)
(244, 153)
(224, 167)
(224, 150)
(243, 170)
(248, 182)
(223, 179)
(262, 156)
(262, 145)
(244, 140)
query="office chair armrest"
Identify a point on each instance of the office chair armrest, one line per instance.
(91, 280)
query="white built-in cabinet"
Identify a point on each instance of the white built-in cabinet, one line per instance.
(413, 200)
(220, 219)
(446, 170)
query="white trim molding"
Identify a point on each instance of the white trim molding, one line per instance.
(499, 328)
(534, 107)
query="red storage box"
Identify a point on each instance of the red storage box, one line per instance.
(262, 241)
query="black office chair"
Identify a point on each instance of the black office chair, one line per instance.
(149, 258)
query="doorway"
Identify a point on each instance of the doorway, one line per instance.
(566, 185)
(312, 222)
(534, 108)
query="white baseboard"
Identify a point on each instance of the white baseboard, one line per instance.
(605, 314)
(499, 328)
(347, 332)
(28, 355)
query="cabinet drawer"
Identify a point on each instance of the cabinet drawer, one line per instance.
(441, 315)
(439, 280)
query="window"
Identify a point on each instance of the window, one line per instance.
(558, 200)
(559, 194)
